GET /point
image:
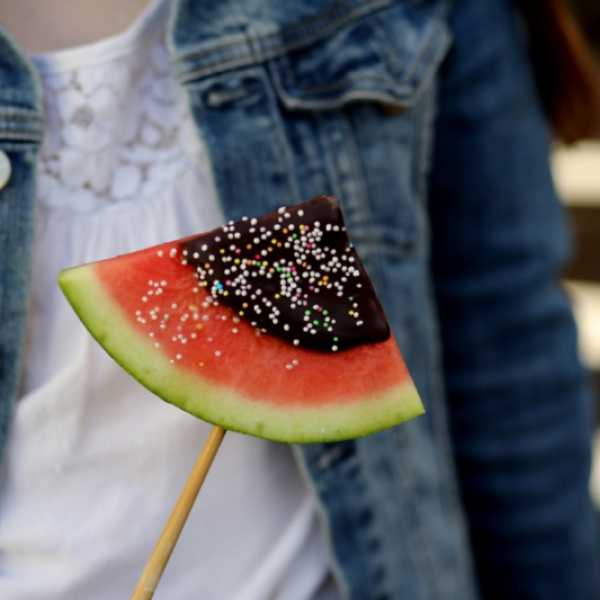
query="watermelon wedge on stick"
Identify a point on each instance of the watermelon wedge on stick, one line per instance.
(268, 326)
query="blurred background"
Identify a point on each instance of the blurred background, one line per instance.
(577, 175)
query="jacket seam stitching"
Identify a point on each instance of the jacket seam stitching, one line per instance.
(263, 55)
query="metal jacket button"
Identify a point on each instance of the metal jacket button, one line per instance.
(4, 169)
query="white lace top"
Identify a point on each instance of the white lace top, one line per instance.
(96, 462)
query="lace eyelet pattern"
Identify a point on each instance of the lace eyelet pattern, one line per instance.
(118, 127)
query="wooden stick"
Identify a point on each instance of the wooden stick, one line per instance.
(162, 551)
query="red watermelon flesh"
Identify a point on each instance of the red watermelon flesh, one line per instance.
(172, 331)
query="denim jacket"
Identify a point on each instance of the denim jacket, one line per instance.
(438, 151)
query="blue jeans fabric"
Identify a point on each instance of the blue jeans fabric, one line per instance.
(439, 154)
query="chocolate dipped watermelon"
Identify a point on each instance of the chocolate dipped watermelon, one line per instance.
(267, 326)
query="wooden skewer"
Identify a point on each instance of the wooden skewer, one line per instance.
(162, 551)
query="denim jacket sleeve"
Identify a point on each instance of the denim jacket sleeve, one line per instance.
(518, 400)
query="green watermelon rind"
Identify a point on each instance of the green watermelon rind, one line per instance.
(217, 404)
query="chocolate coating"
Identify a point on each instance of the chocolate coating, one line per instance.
(293, 274)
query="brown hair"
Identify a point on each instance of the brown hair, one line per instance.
(567, 74)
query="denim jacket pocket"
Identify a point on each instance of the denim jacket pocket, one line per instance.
(387, 58)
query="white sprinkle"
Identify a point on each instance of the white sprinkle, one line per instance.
(334, 348)
(173, 305)
(217, 353)
(296, 342)
(178, 357)
(156, 345)
(289, 366)
(204, 248)
(160, 253)
(144, 299)
(300, 213)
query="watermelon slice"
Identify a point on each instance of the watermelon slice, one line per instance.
(267, 326)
